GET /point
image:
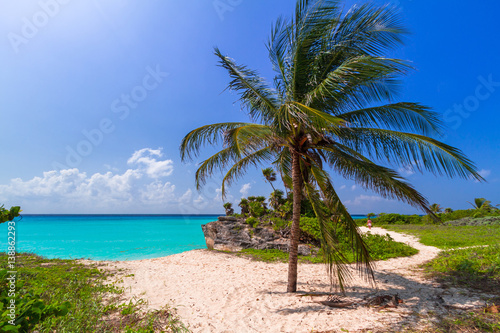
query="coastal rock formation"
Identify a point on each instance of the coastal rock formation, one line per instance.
(232, 234)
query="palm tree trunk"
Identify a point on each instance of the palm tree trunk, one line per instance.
(294, 237)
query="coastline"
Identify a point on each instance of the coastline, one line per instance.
(219, 292)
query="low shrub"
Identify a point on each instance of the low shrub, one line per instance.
(384, 247)
(256, 209)
(279, 223)
(310, 226)
(381, 247)
(464, 213)
(383, 219)
(470, 221)
(54, 295)
(252, 221)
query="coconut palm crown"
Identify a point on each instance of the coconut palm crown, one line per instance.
(482, 204)
(330, 108)
(270, 176)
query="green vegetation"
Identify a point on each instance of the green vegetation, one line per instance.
(67, 296)
(252, 221)
(9, 215)
(488, 220)
(270, 176)
(478, 321)
(448, 237)
(435, 208)
(381, 248)
(477, 268)
(449, 215)
(229, 208)
(481, 204)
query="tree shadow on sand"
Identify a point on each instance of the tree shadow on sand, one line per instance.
(422, 301)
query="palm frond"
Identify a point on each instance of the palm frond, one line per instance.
(398, 116)
(369, 29)
(239, 168)
(218, 161)
(357, 81)
(205, 135)
(384, 181)
(410, 150)
(364, 262)
(249, 138)
(255, 94)
(313, 120)
(338, 265)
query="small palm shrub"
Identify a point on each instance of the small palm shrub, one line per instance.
(252, 221)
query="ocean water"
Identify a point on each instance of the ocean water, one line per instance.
(108, 237)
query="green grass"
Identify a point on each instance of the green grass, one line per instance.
(56, 295)
(381, 248)
(448, 237)
(477, 268)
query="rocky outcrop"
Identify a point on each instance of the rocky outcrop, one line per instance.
(231, 234)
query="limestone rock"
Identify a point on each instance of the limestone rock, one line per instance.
(232, 234)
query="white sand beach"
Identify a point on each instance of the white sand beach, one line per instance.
(218, 292)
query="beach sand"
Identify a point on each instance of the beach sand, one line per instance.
(218, 292)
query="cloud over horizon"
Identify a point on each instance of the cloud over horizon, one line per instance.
(140, 189)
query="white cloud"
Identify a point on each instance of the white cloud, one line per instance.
(218, 194)
(244, 189)
(406, 171)
(342, 187)
(484, 173)
(74, 191)
(72, 188)
(364, 199)
(158, 193)
(353, 187)
(147, 157)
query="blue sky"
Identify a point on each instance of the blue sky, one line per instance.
(97, 95)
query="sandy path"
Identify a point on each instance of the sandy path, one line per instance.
(217, 292)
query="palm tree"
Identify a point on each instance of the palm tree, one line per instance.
(276, 199)
(261, 199)
(325, 110)
(244, 206)
(270, 176)
(229, 208)
(482, 204)
(448, 210)
(435, 208)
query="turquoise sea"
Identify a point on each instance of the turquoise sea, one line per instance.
(108, 237)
